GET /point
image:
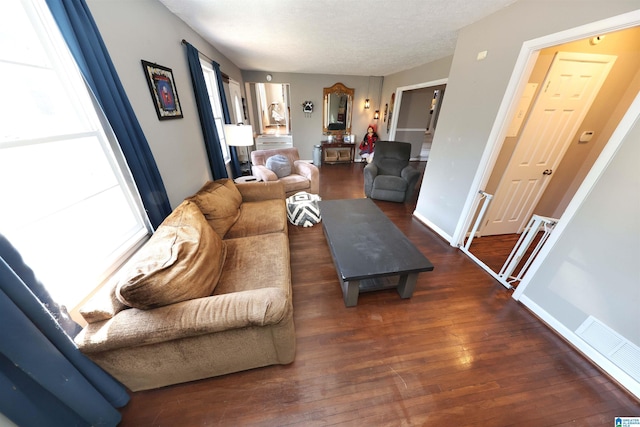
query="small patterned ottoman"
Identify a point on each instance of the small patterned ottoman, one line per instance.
(302, 209)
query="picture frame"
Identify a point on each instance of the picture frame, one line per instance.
(164, 93)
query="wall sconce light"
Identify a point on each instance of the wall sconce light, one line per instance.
(376, 115)
(366, 101)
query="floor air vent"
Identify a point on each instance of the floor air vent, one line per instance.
(612, 345)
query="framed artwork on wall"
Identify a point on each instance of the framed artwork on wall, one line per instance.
(163, 90)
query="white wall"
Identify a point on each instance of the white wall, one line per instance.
(145, 29)
(593, 267)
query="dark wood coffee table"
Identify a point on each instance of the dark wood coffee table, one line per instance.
(368, 250)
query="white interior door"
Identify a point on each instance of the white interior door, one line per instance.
(571, 85)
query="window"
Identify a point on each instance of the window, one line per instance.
(236, 102)
(69, 204)
(216, 106)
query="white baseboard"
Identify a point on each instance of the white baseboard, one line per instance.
(434, 227)
(579, 344)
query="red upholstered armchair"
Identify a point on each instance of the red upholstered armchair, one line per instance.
(303, 176)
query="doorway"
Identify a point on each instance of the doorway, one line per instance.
(564, 98)
(418, 107)
(599, 121)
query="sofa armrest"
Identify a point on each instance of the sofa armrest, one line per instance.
(134, 327)
(258, 191)
(410, 174)
(306, 169)
(309, 171)
(264, 173)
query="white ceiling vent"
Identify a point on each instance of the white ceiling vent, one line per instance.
(612, 345)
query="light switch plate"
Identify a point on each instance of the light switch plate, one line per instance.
(586, 136)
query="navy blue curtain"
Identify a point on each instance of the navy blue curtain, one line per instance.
(207, 122)
(235, 163)
(44, 379)
(84, 40)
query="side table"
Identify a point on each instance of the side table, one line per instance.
(337, 152)
(246, 178)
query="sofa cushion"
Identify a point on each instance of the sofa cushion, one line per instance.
(220, 203)
(266, 216)
(183, 260)
(256, 262)
(280, 165)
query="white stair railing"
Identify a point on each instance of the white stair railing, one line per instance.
(536, 224)
(485, 199)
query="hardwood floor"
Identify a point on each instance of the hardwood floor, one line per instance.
(460, 352)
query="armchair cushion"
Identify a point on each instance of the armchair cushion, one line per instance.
(183, 260)
(280, 165)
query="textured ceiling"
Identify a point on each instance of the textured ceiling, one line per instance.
(353, 37)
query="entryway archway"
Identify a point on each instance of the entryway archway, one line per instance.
(416, 110)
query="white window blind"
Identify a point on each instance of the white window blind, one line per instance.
(69, 204)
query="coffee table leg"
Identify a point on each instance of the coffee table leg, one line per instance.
(350, 291)
(407, 284)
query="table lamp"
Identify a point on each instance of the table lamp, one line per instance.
(239, 135)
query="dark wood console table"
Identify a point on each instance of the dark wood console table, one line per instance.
(338, 152)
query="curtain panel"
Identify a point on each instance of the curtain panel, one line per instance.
(207, 122)
(44, 379)
(235, 163)
(83, 38)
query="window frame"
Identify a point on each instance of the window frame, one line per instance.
(91, 124)
(211, 80)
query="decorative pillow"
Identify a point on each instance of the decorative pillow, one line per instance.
(303, 209)
(280, 165)
(183, 260)
(103, 305)
(220, 203)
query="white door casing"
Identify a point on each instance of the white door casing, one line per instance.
(571, 85)
(235, 104)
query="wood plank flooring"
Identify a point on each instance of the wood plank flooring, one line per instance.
(460, 352)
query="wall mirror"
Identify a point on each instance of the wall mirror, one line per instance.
(336, 109)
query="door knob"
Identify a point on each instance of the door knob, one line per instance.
(547, 172)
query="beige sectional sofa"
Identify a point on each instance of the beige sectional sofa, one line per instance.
(208, 294)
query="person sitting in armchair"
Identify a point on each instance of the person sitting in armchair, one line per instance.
(368, 144)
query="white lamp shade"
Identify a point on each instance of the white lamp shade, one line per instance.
(239, 135)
